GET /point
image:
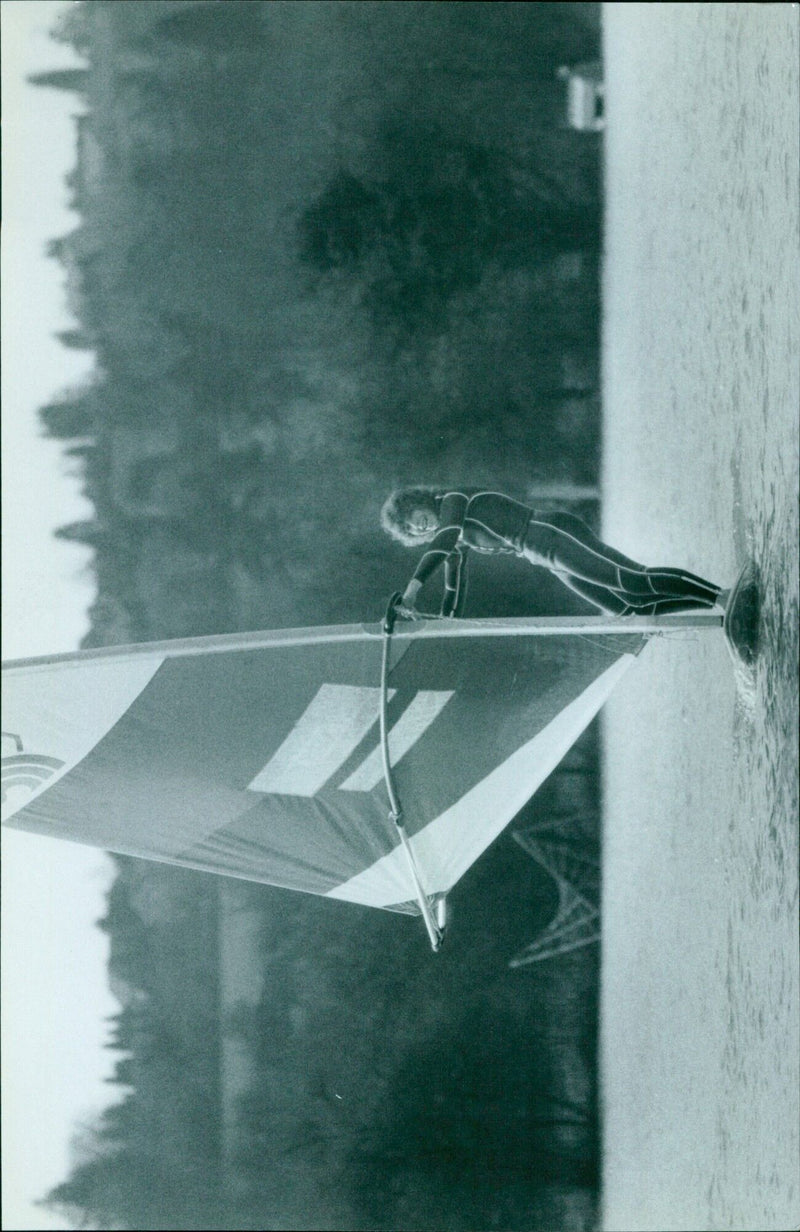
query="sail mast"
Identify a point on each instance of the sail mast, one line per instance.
(427, 627)
(560, 626)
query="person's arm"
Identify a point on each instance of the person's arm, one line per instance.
(438, 554)
(455, 583)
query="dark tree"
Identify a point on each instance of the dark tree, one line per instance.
(90, 533)
(75, 339)
(76, 79)
(69, 418)
(214, 27)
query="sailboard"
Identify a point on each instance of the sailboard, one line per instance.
(743, 615)
(258, 755)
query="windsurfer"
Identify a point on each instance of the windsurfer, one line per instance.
(453, 522)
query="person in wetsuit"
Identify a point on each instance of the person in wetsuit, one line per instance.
(453, 522)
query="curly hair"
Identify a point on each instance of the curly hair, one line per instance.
(398, 508)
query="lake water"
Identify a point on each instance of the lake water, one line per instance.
(700, 989)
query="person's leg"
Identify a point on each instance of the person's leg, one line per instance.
(614, 604)
(660, 607)
(664, 581)
(600, 596)
(661, 578)
(649, 603)
(566, 545)
(572, 525)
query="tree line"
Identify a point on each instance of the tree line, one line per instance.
(323, 249)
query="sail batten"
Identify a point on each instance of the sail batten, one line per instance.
(257, 756)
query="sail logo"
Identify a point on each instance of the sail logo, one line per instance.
(329, 732)
(27, 771)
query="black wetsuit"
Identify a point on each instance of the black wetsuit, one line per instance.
(489, 522)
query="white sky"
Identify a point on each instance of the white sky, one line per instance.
(53, 958)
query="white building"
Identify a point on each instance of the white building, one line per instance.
(585, 101)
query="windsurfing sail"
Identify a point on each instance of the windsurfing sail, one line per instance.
(258, 755)
(576, 872)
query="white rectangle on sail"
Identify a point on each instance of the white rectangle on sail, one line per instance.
(333, 724)
(412, 724)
